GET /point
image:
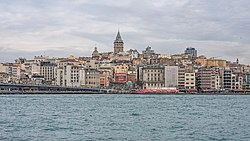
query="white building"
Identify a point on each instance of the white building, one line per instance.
(171, 76)
(190, 81)
(70, 75)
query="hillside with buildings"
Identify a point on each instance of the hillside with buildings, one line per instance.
(131, 69)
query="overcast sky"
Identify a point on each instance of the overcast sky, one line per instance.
(216, 28)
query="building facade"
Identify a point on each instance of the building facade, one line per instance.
(153, 76)
(92, 77)
(208, 80)
(190, 82)
(70, 75)
(171, 76)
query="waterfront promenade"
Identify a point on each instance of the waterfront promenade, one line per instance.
(47, 89)
(6, 88)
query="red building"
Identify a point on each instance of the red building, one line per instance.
(120, 77)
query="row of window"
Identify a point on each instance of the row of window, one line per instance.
(154, 79)
(154, 70)
(187, 83)
(90, 77)
(190, 74)
(91, 83)
(152, 85)
(74, 81)
(187, 79)
(154, 74)
(92, 72)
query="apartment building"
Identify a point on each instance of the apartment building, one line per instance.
(153, 76)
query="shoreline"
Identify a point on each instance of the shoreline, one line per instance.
(96, 93)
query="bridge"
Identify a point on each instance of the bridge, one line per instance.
(6, 88)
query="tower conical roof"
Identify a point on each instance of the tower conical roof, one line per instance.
(118, 37)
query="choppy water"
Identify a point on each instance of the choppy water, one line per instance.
(125, 117)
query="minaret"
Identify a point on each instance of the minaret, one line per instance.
(237, 61)
(118, 43)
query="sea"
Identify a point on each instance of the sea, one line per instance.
(124, 117)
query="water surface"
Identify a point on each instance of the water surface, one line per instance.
(125, 117)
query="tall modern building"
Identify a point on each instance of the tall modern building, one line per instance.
(191, 51)
(118, 44)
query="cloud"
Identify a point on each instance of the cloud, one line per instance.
(215, 28)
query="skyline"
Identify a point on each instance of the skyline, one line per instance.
(37, 27)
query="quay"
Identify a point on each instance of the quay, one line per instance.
(6, 88)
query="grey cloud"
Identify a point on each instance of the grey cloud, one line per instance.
(214, 27)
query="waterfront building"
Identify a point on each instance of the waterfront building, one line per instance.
(208, 80)
(171, 76)
(228, 79)
(153, 76)
(120, 72)
(131, 76)
(92, 78)
(239, 81)
(190, 82)
(246, 80)
(181, 77)
(70, 75)
(105, 78)
(106, 74)
(48, 71)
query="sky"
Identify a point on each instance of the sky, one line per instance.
(60, 28)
